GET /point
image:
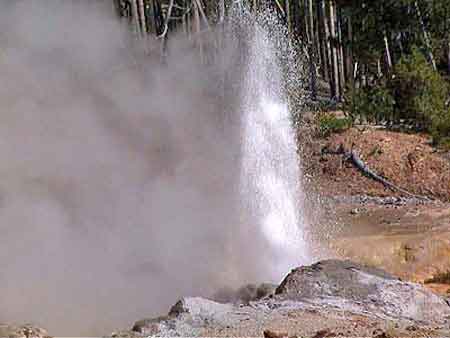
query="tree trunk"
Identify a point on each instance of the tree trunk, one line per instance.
(334, 49)
(117, 5)
(387, 50)
(363, 76)
(329, 50)
(183, 19)
(311, 22)
(306, 21)
(399, 39)
(350, 63)
(157, 17)
(165, 31)
(322, 42)
(425, 36)
(151, 28)
(312, 51)
(197, 23)
(295, 13)
(141, 7)
(317, 43)
(379, 70)
(288, 15)
(222, 10)
(135, 17)
(448, 56)
(189, 21)
(341, 52)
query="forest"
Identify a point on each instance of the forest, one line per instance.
(383, 62)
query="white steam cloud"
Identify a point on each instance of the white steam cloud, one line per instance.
(119, 175)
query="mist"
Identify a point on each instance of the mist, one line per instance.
(120, 173)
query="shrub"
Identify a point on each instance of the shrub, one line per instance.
(440, 128)
(329, 123)
(371, 104)
(414, 97)
(444, 143)
(420, 94)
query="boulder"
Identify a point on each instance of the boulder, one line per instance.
(365, 289)
(330, 278)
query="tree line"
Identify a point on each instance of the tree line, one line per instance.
(358, 51)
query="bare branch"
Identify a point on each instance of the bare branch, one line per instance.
(166, 21)
(202, 13)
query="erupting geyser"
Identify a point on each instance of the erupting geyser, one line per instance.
(270, 177)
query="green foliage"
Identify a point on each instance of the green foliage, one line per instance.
(441, 130)
(420, 96)
(419, 91)
(414, 96)
(370, 104)
(444, 143)
(329, 123)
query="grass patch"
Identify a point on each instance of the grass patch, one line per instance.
(329, 124)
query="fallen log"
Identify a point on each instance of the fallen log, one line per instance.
(353, 157)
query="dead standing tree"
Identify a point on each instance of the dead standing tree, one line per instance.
(158, 18)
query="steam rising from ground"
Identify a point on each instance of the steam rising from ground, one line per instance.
(119, 188)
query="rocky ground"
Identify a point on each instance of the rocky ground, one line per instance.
(328, 299)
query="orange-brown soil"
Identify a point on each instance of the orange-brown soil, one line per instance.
(407, 160)
(410, 239)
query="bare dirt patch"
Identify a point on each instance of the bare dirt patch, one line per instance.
(407, 160)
